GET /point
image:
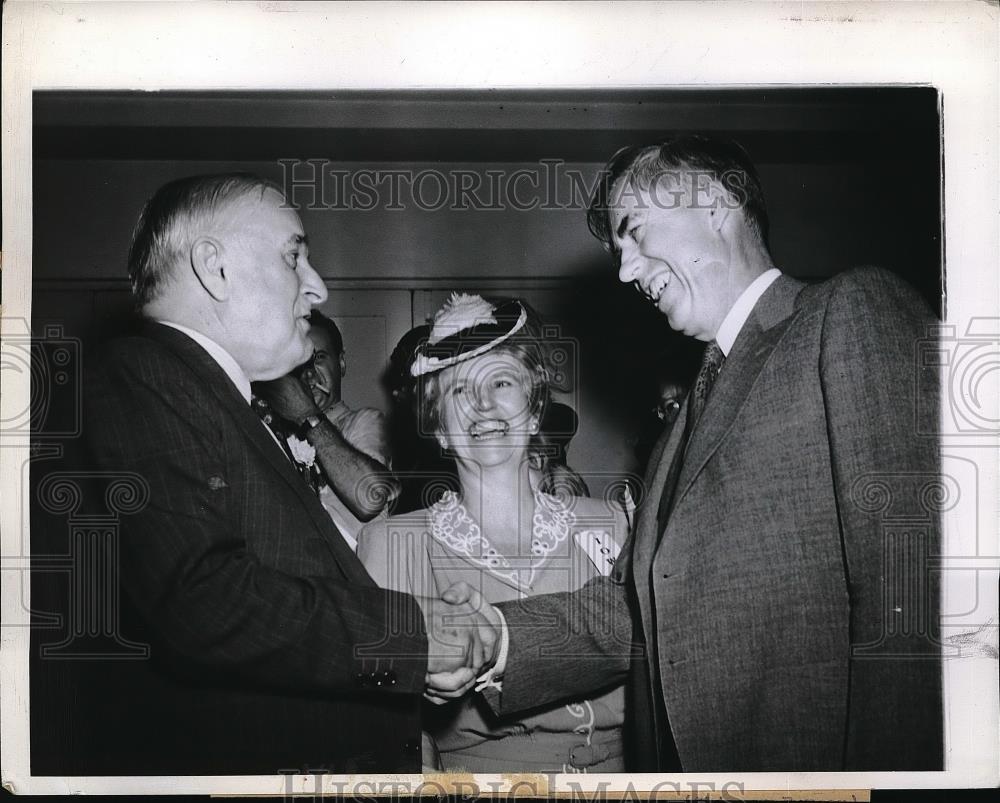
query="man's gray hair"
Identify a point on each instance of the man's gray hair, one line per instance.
(165, 227)
(723, 161)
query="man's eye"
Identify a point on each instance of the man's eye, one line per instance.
(292, 259)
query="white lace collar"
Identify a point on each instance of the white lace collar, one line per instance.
(452, 526)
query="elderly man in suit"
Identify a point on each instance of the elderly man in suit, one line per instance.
(782, 624)
(272, 648)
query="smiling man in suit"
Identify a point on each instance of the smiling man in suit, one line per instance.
(783, 625)
(272, 649)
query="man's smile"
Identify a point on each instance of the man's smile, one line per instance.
(654, 288)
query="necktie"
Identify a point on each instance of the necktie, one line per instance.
(711, 364)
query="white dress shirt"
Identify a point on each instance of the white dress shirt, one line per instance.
(740, 311)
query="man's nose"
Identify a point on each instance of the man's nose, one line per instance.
(629, 264)
(312, 286)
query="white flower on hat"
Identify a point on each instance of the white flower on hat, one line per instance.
(460, 312)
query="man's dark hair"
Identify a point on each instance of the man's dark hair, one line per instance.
(724, 161)
(318, 319)
(165, 226)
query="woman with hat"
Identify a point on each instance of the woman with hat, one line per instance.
(482, 394)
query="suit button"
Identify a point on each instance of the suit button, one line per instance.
(362, 679)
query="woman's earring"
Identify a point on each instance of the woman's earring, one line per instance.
(442, 442)
(534, 425)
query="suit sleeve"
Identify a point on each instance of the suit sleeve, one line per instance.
(882, 408)
(189, 569)
(568, 645)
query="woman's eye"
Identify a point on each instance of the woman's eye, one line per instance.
(458, 390)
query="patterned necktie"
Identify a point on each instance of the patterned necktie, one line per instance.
(711, 364)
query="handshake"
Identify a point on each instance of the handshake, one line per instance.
(463, 641)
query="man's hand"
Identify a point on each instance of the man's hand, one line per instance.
(446, 685)
(288, 397)
(459, 634)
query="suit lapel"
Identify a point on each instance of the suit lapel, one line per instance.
(218, 384)
(646, 533)
(767, 323)
(656, 477)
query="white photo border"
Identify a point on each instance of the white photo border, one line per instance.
(318, 46)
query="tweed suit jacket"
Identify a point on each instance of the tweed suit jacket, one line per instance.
(268, 638)
(785, 622)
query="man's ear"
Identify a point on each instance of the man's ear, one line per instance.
(721, 204)
(343, 364)
(207, 263)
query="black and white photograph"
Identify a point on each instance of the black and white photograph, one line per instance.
(504, 425)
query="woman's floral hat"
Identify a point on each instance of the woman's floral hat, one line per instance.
(465, 327)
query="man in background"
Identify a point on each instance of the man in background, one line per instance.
(365, 430)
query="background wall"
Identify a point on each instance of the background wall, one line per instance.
(851, 177)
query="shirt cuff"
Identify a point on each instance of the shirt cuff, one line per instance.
(494, 675)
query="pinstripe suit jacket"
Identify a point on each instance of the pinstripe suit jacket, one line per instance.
(786, 614)
(272, 648)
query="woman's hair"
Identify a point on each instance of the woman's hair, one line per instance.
(527, 347)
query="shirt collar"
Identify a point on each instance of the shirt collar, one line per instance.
(740, 311)
(225, 360)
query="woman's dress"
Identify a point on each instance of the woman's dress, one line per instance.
(574, 539)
